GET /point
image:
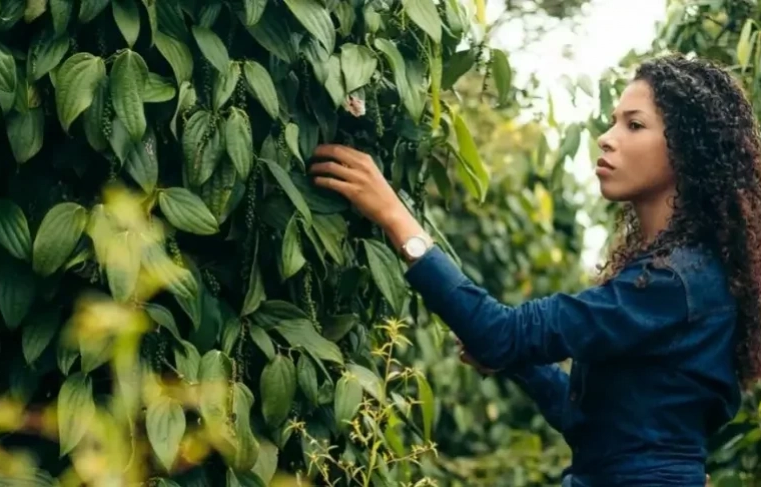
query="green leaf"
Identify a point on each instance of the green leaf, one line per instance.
(187, 212)
(158, 89)
(301, 333)
(123, 265)
(292, 258)
(273, 311)
(263, 341)
(427, 404)
(358, 64)
(255, 292)
(306, 373)
(188, 361)
(46, 52)
(468, 152)
(502, 74)
(166, 274)
(334, 328)
(292, 140)
(150, 8)
(95, 351)
(316, 19)
(217, 192)
(386, 273)
(8, 79)
(127, 18)
(319, 200)
(347, 16)
(89, 9)
(25, 133)
(17, 290)
(242, 479)
(424, 14)
(369, 380)
(745, 43)
(277, 390)
(185, 100)
(239, 141)
(247, 451)
(34, 8)
(203, 146)
(37, 333)
(273, 33)
(347, 400)
(334, 83)
(214, 375)
(129, 75)
(252, 11)
(76, 410)
(290, 189)
(224, 84)
(61, 11)
(410, 97)
(142, 162)
(165, 426)
(212, 48)
(57, 237)
(178, 56)
(66, 356)
(11, 11)
(332, 230)
(14, 231)
(76, 82)
(266, 464)
(456, 66)
(163, 317)
(261, 87)
(94, 115)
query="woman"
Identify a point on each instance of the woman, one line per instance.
(662, 345)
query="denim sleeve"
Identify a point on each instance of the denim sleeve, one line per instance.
(603, 321)
(547, 386)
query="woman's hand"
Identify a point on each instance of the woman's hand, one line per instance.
(356, 177)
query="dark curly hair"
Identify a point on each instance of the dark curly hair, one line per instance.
(715, 149)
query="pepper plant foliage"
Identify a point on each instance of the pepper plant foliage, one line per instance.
(179, 303)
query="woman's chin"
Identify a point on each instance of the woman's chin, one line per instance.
(611, 193)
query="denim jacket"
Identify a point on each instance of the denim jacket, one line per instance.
(653, 352)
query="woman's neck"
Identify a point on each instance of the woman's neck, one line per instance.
(654, 214)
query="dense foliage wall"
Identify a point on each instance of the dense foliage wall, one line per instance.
(178, 303)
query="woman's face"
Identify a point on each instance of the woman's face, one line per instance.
(635, 165)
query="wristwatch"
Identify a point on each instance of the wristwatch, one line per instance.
(416, 246)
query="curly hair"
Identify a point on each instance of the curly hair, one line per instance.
(714, 147)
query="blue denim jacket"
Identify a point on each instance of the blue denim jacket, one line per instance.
(653, 352)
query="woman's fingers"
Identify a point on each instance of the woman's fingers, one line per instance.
(334, 169)
(343, 154)
(341, 187)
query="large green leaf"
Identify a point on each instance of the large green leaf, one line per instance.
(212, 47)
(166, 274)
(247, 446)
(142, 161)
(503, 75)
(255, 292)
(427, 404)
(129, 75)
(358, 64)
(290, 189)
(387, 274)
(127, 18)
(252, 11)
(14, 231)
(34, 8)
(424, 14)
(158, 89)
(332, 230)
(45, 53)
(37, 333)
(292, 258)
(57, 237)
(187, 211)
(239, 141)
(76, 81)
(123, 265)
(347, 400)
(214, 374)
(165, 427)
(25, 133)
(203, 146)
(177, 54)
(277, 388)
(61, 12)
(89, 9)
(301, 333)
(316, 19)
(410, 97)
(76, 411)
(163, 317)
(94, 116)
(470, 157)
(8, 79)
(17, 290)
(260, 85)
(225, 83)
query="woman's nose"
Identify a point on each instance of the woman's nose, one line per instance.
(604, 142)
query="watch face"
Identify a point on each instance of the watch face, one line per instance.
(416, 247)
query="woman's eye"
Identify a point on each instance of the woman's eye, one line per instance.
(635, 125)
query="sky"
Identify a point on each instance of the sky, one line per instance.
(608, 30)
